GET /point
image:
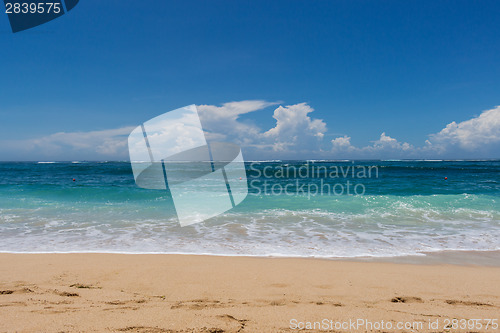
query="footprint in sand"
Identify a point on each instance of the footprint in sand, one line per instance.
(6, 292)
(467, 303)
(406, 299)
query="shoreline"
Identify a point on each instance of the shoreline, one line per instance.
(196, 293)
(447, 257)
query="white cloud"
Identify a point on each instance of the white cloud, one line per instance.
(342, 143)
(387, 143)
(294, 128)
(476, 133)
(385, 146)
(223, 122)
(295, 131)
(478, 137)
(105, 144)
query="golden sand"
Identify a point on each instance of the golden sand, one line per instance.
(183, 293)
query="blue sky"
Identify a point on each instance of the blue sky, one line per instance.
(406, 69)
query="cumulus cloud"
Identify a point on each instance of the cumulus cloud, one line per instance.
(386, 142)
(294, 128)
(295, 131)
(478, 137)
(384, 147)
(224, 122)
(342, 143)
(476, 133)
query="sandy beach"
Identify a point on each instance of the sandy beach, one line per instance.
(183, 293)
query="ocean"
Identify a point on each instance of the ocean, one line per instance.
(323, 209)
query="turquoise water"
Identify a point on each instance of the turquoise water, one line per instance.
(402, 208)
